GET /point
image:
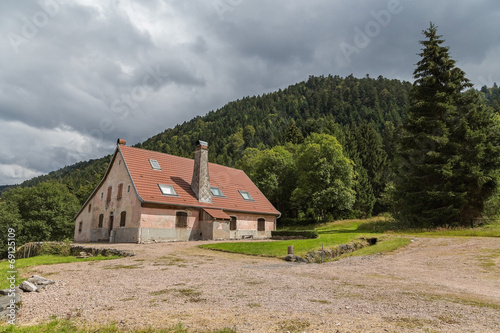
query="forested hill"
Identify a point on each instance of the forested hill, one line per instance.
(318, 105)
(363, 114)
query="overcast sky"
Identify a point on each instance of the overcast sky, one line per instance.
(78, 74)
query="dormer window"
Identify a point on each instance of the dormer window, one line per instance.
(246, 195)
(216, 192)
(154, 164)
(167, 189)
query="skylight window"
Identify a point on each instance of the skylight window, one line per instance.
(155, 165)
(167, 189)
(216, 192)
(246, 195)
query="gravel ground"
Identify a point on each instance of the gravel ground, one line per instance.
(434, 284)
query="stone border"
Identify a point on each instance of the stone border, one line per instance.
(320, 256)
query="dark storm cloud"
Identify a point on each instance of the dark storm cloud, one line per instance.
(78, 74)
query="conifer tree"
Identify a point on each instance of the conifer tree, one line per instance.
(446, 166)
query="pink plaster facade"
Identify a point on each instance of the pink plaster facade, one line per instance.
(98, 203)
(149, 221)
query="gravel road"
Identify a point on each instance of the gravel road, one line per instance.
(434, 284)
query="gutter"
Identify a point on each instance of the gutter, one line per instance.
(202, 207)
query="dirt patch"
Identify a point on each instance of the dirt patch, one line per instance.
(445, 285)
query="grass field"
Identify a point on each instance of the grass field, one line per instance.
(22, 264)
(342, 232)
(66, 326)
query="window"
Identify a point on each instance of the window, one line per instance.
(90, 207)
(102, 195)
(128, 189)
(181, 220)
(155, 165)
(108, 197)
(120, 190)
(80, 225)
(167, 189)
(216, 192)
(123, 217)
(261, 224)
(101, 221)
(246, 195)
(232, 223)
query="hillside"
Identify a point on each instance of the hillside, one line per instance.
(363, 113)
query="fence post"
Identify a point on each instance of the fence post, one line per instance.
(290, 249)
(472, 223)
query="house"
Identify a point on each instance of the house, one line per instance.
(147, 196)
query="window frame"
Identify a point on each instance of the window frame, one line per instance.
(119, 195)
(243, 193)
(110, 192)
(174, 194)
(181, 219)
(80, 227)
(259, 220)
(154, 166)
(123, 218)
(233, 224)
(221, 195)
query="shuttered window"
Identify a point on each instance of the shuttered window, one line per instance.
(123, 218)
(181, 220)
(108, 197)
(120, 191)
(261, 224)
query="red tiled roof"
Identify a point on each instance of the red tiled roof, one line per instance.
(217, 214)
(178, 171)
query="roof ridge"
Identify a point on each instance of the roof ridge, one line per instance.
(186, 158)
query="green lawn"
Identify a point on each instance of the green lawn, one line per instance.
(330, 235)
(22, 264)
(342, 232)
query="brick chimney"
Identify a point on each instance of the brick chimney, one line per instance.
(200, 184)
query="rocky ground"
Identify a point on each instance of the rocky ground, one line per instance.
(434, 284)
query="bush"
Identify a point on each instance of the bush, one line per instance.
(290, 234)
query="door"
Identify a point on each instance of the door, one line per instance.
(111, 220)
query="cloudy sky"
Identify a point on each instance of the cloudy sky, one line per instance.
(77, 74)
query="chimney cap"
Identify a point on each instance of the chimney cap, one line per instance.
(202, 143)
(121, 141)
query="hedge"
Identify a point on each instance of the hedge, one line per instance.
(294, 233)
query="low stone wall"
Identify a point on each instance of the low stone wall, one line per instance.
(328, 254)
(33, 249)
(76, 249)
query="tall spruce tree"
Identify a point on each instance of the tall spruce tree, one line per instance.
(448, 149)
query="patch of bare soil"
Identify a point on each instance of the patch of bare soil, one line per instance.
(444, 285)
